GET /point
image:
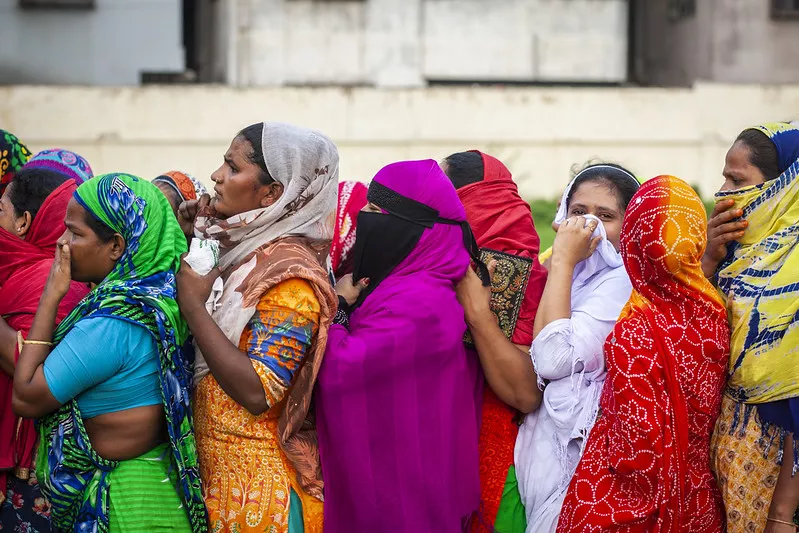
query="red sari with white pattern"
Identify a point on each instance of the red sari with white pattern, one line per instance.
(646, 466)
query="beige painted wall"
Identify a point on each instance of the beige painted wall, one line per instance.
(539, 133)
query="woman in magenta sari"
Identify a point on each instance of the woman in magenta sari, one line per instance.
(396, 406)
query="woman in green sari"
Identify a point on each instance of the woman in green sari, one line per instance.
(113, 394)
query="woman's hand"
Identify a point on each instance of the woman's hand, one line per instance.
(188, 210)
(60, 277)
(349, 290)
(474, 297)
(573, 241)
(193, 288)
(721, 229)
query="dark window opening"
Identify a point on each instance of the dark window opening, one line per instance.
(56, 4)
(785, 9)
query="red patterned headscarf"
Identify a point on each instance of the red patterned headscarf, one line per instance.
(646, 465)
(351, 199)
(502, 221)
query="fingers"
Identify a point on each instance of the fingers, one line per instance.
(205, 201)
(363, 283)
(724, 217)
(492, 267)
(730, 227)
(594, 244)
(214, 273)
(66, 256)
(721, 207)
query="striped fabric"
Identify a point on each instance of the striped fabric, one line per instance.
(142, 495)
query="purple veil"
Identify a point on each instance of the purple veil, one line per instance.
(395, 399)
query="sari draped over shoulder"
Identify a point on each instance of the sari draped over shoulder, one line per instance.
(646, 466)
(24, 269)
(570, 365)
(758, 280)
(396, 406)
(141, 290)
(502, 221)
(260, 250)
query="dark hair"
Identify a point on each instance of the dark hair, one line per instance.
(618, 178)
(31, 187)
(100, 228)
(253, 135)
(464, 168)
(762, 152)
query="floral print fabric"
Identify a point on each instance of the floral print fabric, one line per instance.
(25, 509)
(248, 479)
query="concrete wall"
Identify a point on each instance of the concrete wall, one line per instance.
(108, 45)
(403, 43)
(539, 133)
(725, 41)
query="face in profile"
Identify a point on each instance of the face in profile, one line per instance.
(599, 199)
(9, 220)
(238, 187)
(739, 172)
(92, 258)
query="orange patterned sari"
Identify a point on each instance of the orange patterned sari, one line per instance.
(249, 484)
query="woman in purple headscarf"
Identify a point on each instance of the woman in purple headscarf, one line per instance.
(396, 405)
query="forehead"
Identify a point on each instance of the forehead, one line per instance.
(738, 155)
(595, 194)
(239, 147)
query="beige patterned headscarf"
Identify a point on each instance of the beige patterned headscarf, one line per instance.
(263, 247)
(306, 163)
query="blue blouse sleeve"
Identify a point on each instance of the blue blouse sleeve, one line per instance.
(83, 358)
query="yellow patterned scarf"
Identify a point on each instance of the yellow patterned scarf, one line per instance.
(760, 279)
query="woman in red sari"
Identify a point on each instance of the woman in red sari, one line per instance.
(646, 466)
(32, 211)
(501, 221)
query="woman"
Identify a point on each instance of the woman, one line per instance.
(67, 163)
(112, 394)
(351, 199)
(646, 466)
(584, 294)
(13, 154)
(259, 350)
(396, 406)
(752, 257)
(501, 221)
(179, 187)
(32, 214)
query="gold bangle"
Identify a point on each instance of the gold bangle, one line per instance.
(38, 343)
(778, 521)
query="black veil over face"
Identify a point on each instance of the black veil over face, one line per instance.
(384, 240)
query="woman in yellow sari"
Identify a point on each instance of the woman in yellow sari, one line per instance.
(260, 339)
(754, 259)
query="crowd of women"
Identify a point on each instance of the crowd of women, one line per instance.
(298, 354)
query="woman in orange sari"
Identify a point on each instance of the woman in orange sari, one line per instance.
(646, 466)
(260, 343)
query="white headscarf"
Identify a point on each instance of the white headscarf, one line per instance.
(605, 256)
(305, 162)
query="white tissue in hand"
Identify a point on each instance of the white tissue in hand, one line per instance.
(203, 255)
